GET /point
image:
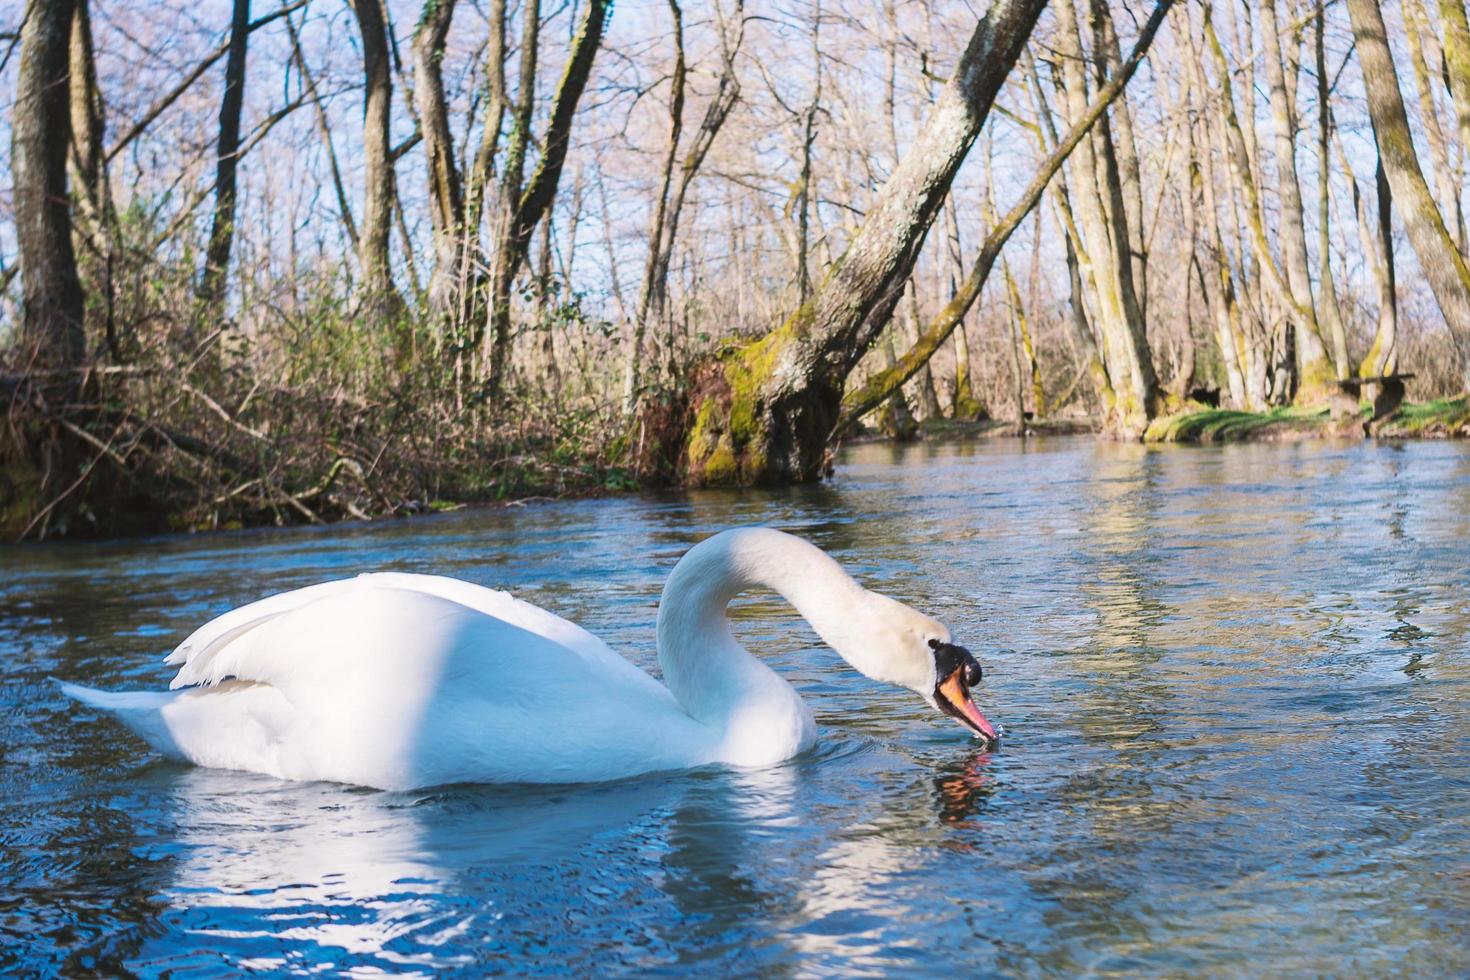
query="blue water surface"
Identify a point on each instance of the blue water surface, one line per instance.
(1236, 682)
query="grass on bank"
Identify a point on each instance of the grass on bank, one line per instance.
(1443, 417)
(1229, 425)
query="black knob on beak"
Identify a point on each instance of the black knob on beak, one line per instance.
(973, 673)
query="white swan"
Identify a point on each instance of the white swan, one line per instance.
(399, 681)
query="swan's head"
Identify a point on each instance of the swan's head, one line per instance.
(898, 645)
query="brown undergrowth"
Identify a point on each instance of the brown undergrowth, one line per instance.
(212, 440)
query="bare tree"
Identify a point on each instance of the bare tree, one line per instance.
(1457, 61)
(1443, 265)
(1331, 312)
(1314, 371)
(860, 400)
(222, 233)
(446, 197)
(669, 204)
(378, 295)
(87, 167)
(40, 132)
(766, 412)
(1106, 245)
(525, 207)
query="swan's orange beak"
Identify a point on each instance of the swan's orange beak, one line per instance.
(953, 697)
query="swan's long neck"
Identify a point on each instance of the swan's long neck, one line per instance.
(711, 675)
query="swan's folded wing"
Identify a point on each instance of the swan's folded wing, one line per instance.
(195, 656)
(502, 606)
(395, 680)
(225, 647)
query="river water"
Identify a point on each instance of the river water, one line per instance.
(1236, 682)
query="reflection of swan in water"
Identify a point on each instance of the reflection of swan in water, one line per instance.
(399, 681)
(316, 871)
(869, 886)
(963, 788)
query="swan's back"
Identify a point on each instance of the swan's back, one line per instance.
(398, 680)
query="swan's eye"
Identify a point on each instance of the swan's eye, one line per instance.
(953, 660)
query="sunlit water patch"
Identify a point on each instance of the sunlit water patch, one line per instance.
(1236, 683)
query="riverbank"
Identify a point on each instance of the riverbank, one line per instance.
(137, 479)
(1444, 418)
(987, 428)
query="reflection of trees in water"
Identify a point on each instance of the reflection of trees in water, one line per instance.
(1121, 710)
(1402, 808)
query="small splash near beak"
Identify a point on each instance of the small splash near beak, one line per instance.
(954, 700)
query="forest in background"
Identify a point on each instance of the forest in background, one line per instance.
(297, 260)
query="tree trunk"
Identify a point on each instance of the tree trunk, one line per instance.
(446, 199)
(895, 419)
(1331, 311)
(1376, 241)
(378, 297)
(1417, 28)
(631, 379)
(51, 321)
(928, 397)
(1107, 59)
(1314, 372)
(1023, 350)
(1441, 261)
(92, 213)
(1237, 127)
(86, 121)
(324, 129)
(1457, 61)
(1107, 239)
(1013, 318)
(966, 406)
(222, 231)
(764, 412)
(545, 320)
(477, 181)
(504, 262)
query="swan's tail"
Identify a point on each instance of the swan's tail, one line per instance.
(142, 711)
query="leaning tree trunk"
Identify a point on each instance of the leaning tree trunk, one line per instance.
(1441, 261)
(763, 412)
(51, 320)
(222, 233)
(862, 399)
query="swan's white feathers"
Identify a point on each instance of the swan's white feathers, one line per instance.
(198, 656)
(397, 680)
